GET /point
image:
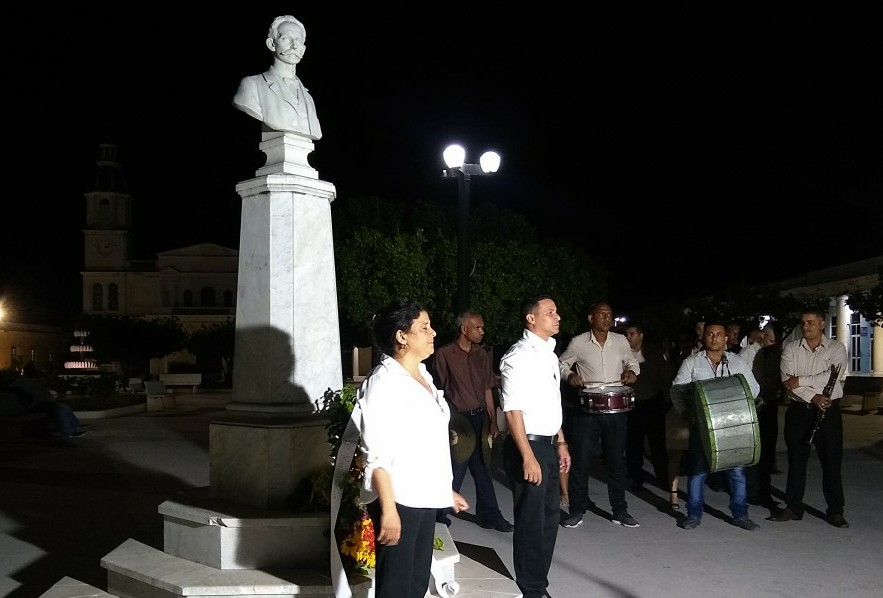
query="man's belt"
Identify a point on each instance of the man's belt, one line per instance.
(475, 411)
(543, 439)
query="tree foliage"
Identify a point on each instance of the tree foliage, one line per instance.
(739, 303)
(383, 251)
(213, 344)
(132, 341)
(373, 268)
(869, 303)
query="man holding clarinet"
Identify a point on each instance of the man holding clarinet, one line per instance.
(810, 369)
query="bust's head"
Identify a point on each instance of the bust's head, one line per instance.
(286, 38)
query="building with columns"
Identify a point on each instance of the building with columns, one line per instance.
(195, 284)
(863, 339)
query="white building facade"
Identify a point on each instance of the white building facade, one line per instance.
(863, 339)
(195, 284)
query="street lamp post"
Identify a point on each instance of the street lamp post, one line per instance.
(455, 160)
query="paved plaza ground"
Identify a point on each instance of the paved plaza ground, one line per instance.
(66, 504)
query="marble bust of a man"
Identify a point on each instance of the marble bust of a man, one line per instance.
(277, 97)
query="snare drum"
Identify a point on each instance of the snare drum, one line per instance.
(610, 398)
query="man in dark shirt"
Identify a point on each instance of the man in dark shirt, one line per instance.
(647, 419)
(463, 370)
(734, 337)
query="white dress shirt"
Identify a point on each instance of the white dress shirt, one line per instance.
(597, 363)
(405, 432)
(699, 367)
(530, 384)
(812, 368)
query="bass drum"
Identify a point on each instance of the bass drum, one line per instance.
(727, 422)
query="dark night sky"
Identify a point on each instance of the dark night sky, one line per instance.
(681, 148)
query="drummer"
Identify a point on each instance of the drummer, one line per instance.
(592, 360)
(714, 361)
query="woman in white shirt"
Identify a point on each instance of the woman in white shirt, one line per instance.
(405, 422)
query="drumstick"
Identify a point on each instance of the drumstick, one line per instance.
(600, 384)
(593, 383)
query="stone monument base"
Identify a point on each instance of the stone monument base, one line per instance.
(260, 461)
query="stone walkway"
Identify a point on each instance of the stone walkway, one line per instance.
(66, 504)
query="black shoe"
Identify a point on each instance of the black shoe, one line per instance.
(745, 523)
(786, 514)
(574, 519)
(837, 520)
(501, 525)
(79, 433)
(626, 520)
(690, 523)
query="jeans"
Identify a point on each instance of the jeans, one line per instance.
(698, 471)
(62, 416)
(738, 496)
(486, 508)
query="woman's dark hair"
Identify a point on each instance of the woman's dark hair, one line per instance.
(396, 315)
(778, 330)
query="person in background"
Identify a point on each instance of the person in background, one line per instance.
(734, 337)
(754, 340)
(405, 423)
(766, 369)
(594, 358)
(805, 371)
(677, 423)
(462, 369)
(712, 362)
(535, 451)
(40, 400)
(699, 329)
(647, 420)
(570, 405)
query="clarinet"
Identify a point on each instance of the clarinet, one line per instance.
(826, 392)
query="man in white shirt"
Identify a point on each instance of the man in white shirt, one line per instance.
(754, 343)
(595, 358)
(535, 451)
(714, 361)
(814, 394)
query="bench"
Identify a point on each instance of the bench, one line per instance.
(868, 389)
(157, 396)
(191, 380)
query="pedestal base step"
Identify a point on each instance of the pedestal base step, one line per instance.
(135, 569)
(68, 587)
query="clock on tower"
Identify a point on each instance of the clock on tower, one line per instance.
(106, 246)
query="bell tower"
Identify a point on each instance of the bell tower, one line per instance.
(108, 236)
